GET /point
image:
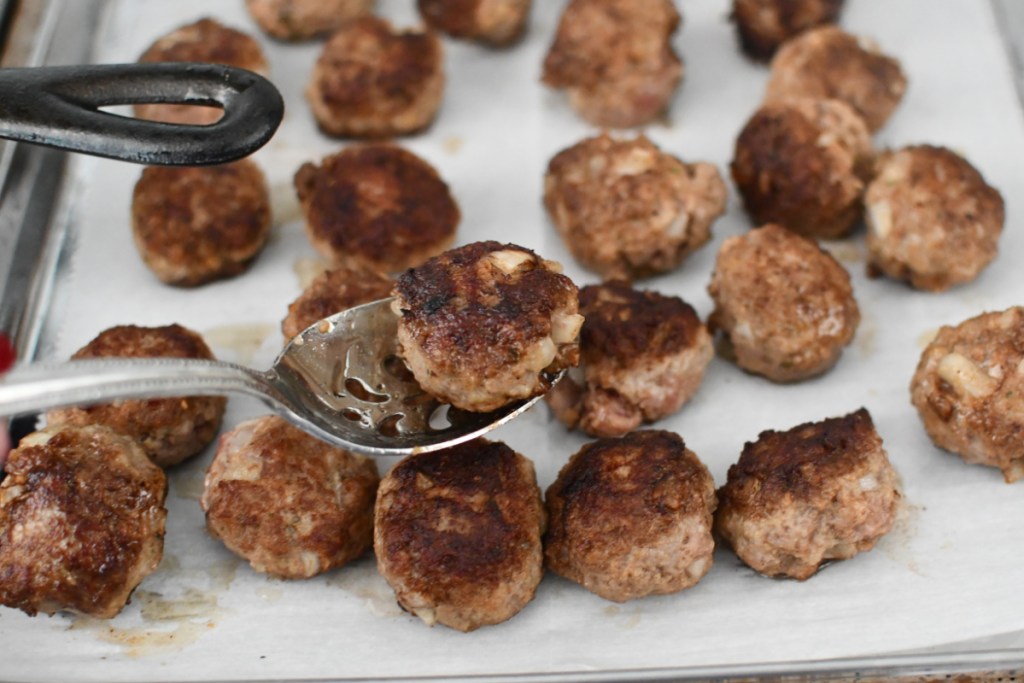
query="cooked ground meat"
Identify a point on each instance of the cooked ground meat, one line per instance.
(496, 22)
(334, 291)
(642, 356)
(379, 204)
(168, 429)
(194, 225)
(632, 516)
(290, 504)
(932, 219)
(458, 534)
(615, 60)
(764, 25)
(819, 491)
(968, 387)
(804, 163)
(372, 81)
(303, 19)
(785, 305)
(81, 521)
(482, 325)
(626, 209)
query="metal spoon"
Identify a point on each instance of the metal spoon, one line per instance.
(340, 380)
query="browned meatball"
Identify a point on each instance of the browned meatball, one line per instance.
(458, 534)
(968, 388)
(626, 209)
(372, 81)
(615, 60)
(169, 429)
(784, 304)
(81, 521)
(764, 25)
(194, 225)
(334, 291)
(302, 19)
(290, 504)
(632, 516)
(932, 219)
(483, 325)
(377, 203)
(207, 41)
(804, 164)
(496, 22)
(829, 63)
(642, 356)
(819, 491)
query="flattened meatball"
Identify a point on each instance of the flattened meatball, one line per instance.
(819, 491)
(458, 534)
(334, 291)
(615, 60)
(377, 203)
(168, 429)
(290, 504)
(968, 387)
(626, 209)
(804, 163)
(784, 304)
(303, 19)
(496, 22)
(194, 225)
(932, 219)
(764, 25)
(207, 41)
(482, 325)
(372, 81)
(632, 516)
(81, 521)
(642, 356)
(829, 63)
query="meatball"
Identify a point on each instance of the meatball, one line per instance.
(968, 386)
(784, 304)
(206, 41)
(458, 534)
(483, 325)
(496, 22)
(642, 356)
(372, 81)
(168, 429)
(194, 225)
(764, 25)
(631, 516)
(819, 491)
(81, 521)
(626, 209)
(615, 60)
(377, 203)
(829, 63)
(290, 504)
(932, 219)
(303, 19)
(334, 291)
(804, 163)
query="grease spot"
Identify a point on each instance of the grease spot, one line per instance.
(452, 144)
(307, 270)
(927, 337)
(243, 340)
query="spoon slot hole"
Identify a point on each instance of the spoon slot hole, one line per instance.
(356, 388)
(439, 419)
(389, 425)
(353, 415)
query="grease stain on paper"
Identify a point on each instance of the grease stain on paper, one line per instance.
(244, 339)
(363, 581)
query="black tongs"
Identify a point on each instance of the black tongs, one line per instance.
(60, 107)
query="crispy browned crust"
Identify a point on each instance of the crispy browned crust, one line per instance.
(496, 22)
(373, 81)
(208, 41)
(458, 534)
(377, 203)
(290, 504)
(932, 219)
(631, 516)
(804, 164)
(194, 225)
(81, 522)
(334, 291)
(170, 429)
(304, 19)
(764, 25)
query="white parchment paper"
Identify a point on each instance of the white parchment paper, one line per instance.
(951, 571)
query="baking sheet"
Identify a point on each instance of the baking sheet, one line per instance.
(949, 572)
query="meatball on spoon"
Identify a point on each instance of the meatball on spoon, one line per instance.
(340, 379)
